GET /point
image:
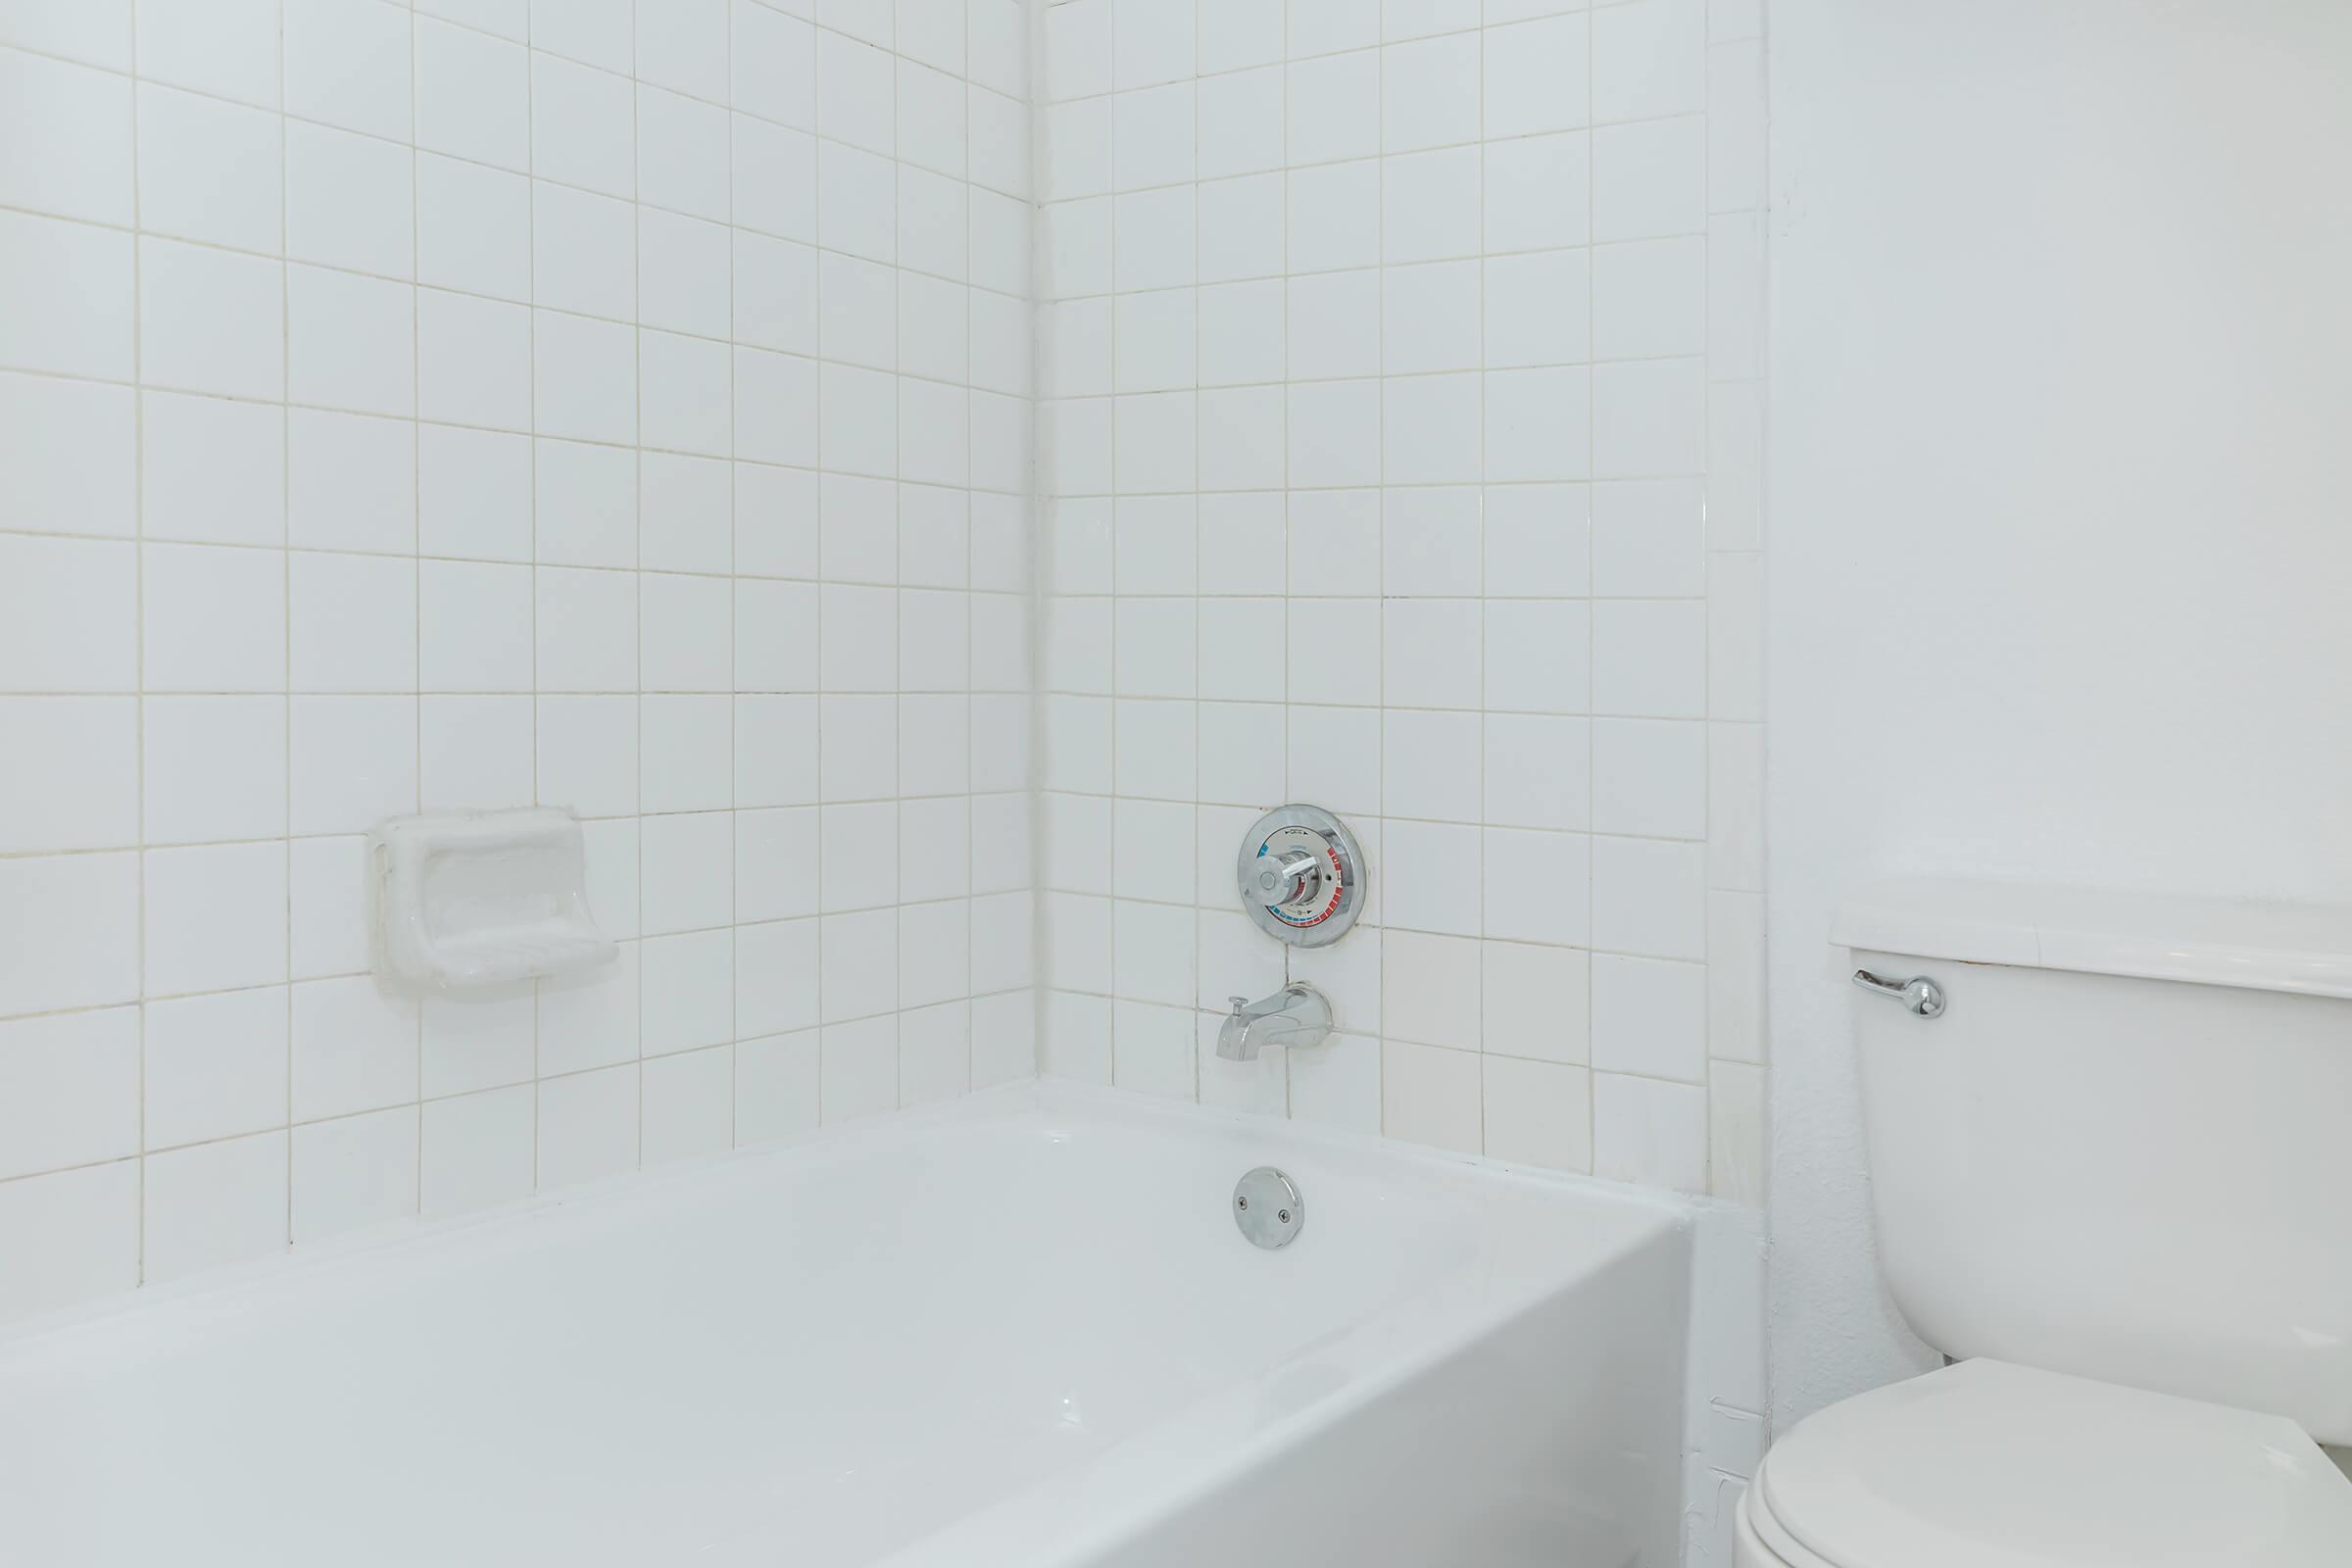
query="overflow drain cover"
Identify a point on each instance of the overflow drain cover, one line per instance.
(1266, 1206)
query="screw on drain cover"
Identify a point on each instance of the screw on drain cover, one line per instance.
(1278, 1213)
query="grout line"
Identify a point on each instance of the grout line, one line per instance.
(285, 537)
(897, 627)
(734, 639)
(636, 1060)
(1591, 645)
(1289, 595)
(1707, 650)
(530, 197)
(817, 715)
(1380, 545)
(1484, 674)
(415, 520)
(530, 49)
(1111, 465)
(138, 400)
(971, 828)
(1193, 1037)
(1040, 533)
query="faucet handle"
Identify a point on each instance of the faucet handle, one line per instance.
(1295, 877)
(1239, 1003)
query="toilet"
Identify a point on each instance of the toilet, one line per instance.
(2111, 1179)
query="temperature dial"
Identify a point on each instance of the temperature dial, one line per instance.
(1301, 875)
(1292, 879)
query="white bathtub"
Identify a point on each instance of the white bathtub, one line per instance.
(1020, 1329)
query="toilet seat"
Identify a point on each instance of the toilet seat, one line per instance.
(1988, 1465)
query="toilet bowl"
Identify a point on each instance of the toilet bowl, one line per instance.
(1988, 1465)
(2106, 1141)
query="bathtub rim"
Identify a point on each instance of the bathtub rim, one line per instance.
(1002, 1101)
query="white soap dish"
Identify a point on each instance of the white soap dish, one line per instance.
(468, 899)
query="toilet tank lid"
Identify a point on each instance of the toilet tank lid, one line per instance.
(2262, 945)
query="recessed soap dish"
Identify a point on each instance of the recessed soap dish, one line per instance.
(482, 899)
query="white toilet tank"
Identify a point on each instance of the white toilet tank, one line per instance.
(2124, 1147)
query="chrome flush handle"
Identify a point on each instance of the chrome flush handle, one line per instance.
(1920, 994)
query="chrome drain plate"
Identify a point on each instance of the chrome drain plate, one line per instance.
(1266, 1206)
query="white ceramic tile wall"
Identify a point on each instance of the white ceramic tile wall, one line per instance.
(1725, 1391)
(616, 406)
(1400, 435)
(624, 406)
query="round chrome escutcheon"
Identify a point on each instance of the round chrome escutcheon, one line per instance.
(1301, 875)
(1266, 1206)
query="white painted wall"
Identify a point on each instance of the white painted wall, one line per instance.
(2061, 425)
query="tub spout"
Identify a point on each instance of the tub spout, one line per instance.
(1296, 1015)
